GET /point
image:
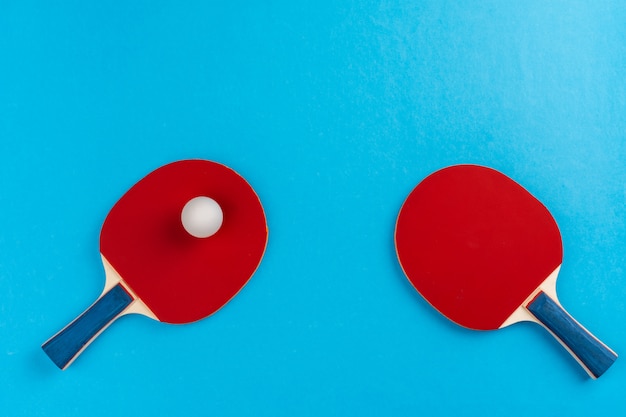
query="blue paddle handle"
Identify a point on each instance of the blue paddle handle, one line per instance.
(595, 357)
(66, 345)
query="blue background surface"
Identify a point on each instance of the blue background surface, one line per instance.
(333, 111)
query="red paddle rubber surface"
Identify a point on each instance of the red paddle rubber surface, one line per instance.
(475, 244)
(179, 277)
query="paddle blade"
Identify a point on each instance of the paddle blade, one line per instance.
(475, 244)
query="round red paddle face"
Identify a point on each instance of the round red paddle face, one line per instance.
(475, 244)
(182, 278)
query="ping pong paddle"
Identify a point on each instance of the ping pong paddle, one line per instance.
(485, 253)
(176, 248)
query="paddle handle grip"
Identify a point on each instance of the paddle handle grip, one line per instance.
(67, 344)
(594, 356)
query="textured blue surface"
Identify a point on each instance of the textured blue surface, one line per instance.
(333, 110)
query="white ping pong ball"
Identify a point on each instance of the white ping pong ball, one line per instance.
(202, 217)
